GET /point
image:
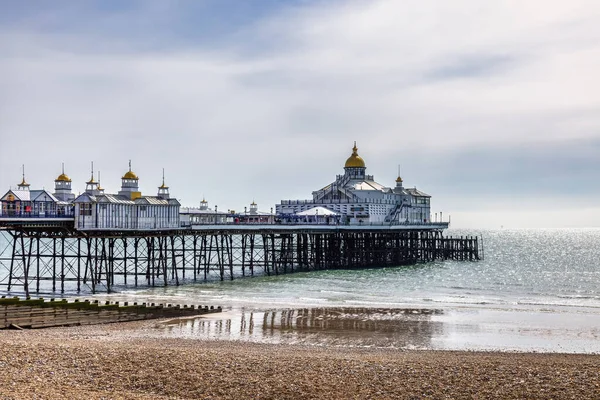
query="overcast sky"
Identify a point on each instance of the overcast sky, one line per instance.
(492, 107)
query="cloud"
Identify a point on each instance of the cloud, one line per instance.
(266, 105)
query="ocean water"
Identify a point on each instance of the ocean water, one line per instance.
(538, 268)
(535, 290)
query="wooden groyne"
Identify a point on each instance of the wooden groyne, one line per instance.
(39, 313)
(50, 260)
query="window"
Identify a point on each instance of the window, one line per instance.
(85, 209)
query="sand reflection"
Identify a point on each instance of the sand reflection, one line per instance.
(372, 327)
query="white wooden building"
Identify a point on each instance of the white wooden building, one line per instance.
(24, 202)
(128, 209)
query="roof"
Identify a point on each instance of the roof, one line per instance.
(191, 210)
(62, 178)
(416, 193)
(130, 175)
(21, 195)
(43, 195)
(368, 185)
(317, 211)
(85, 198)
(31, 195)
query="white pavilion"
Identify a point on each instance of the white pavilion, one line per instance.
(358, 199)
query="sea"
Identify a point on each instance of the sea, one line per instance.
(535, 290)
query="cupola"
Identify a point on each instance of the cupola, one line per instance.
(204, 204)
(253, 207)
(355, 161)
(129, 185)
(62, 187)
(163, 190)
(355, 165)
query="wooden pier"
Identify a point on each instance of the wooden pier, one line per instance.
(47, 259)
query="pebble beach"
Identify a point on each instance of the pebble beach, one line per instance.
(126, 361)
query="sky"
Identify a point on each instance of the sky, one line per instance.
(493, 108)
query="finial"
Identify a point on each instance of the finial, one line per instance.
(63, 168)
(92, 177)
(163, 177)
(99, 187)
(23, 182)
(129, 165)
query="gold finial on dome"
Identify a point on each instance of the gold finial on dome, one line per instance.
(63, 177)
(163, 186)
(399, 178)
(355, 161)
(23, 183)
(99, 188)
(92, 181)
(129, 174)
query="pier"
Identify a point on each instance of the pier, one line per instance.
(51, 256)
(100, 242)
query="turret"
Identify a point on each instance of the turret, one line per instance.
(355, 166)
(253, 207)
(62, 187)
(204, 204)
(163, 190)
(129, 185)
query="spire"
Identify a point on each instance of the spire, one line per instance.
(23, 185)
(399, 178)
(91, 181)
(163, 181)
(100, 189)
(91, 186)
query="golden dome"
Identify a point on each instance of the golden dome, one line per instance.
(130, 175)
(399, 180)
(62, 178)
(355, 161)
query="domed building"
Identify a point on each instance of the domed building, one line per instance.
(357, 198)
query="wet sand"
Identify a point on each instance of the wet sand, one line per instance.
(128, 361)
